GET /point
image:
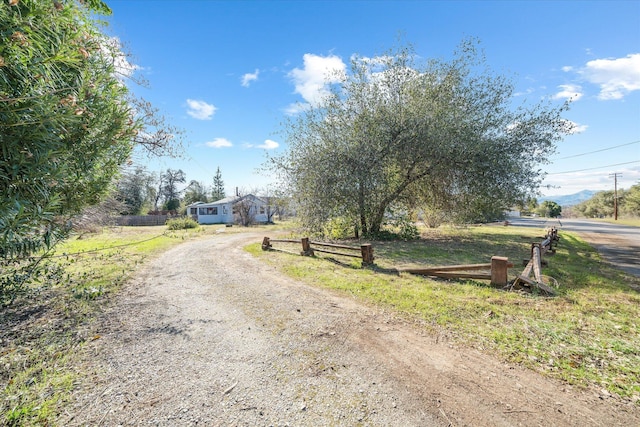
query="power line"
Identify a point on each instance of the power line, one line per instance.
(599, 167)
(599, 151)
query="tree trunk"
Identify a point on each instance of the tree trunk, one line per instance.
(362, 209)
(376, 221)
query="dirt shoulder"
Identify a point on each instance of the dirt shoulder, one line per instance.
(208, 335)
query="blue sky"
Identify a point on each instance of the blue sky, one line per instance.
(229, 72)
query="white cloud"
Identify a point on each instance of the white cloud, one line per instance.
(319, 71)
(596, 180)
(112, 49)
(219, 143)
(616, 77)
(200, 110)
(570, 91)
(249, 77)
(269, 145)
(574, 127)
(567, 68)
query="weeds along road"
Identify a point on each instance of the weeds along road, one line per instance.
(207, 335)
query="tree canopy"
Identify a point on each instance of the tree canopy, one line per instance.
(397, 133)
(549, 209)
(602, 203)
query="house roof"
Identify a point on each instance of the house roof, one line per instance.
(227, 200)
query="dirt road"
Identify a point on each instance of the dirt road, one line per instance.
(207, 335)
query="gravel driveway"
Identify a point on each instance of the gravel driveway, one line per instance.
(207, 335)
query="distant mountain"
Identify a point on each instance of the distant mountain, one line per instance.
(571, 199)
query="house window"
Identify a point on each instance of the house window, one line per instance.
(209, 211)
(224, 210)
(261, 210)
(193, 211)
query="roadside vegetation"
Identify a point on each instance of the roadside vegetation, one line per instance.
(601, 205)
(587, 335)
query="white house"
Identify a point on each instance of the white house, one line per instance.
(235, 209)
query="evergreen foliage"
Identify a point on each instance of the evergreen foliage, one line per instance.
(218, 192)
(65, 124)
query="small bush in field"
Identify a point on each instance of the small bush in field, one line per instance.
(181, 224)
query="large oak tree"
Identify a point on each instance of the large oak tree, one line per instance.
(396, 132)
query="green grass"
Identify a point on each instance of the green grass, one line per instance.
(587, 335)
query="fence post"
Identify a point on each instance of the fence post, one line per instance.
(306, 247)
(266, 244)
(499, 270)
(367, 253)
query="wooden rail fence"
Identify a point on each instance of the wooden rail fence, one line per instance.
(497, 271)
(535, 263)
(365, 250)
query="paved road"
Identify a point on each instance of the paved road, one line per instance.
(619, 244)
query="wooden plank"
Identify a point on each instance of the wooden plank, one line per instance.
(451, 274)
(333, 245)
(337, 253)
(284, 240)
(461, 267)
(527, 270)
(537, 266)
(454, 275)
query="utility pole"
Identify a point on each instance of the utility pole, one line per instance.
(615, 194)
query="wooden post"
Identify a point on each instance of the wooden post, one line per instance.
(367, 253)
(499, 270)
(306, 247)
(266, 244)
(537, 264)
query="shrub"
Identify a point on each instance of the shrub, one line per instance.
(400, 227)
(339, 228)
(181, 224)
